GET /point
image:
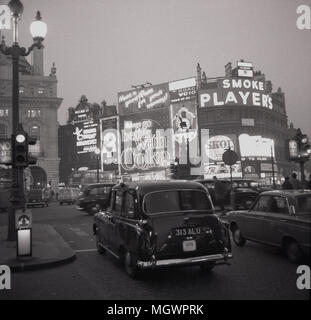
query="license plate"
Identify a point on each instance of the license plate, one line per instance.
(187, 232)
(189, 245)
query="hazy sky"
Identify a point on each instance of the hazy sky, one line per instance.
(101, 47)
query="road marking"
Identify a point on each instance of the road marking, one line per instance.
(86, 250)
(79, 232)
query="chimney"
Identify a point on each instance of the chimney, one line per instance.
(228, 70)
(37, 61)
(199, 76)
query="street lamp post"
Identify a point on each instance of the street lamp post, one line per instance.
(97, 152)
(38, 31)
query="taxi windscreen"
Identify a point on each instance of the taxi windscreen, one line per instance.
(176, 200)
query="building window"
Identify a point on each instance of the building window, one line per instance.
(4, 112)
(3, 131)
(33, 113)
(40, 90)
(22, 89)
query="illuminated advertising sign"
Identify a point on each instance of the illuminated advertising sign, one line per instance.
(5, 17)
(184, 121)
(143, 142)
(217, 145)
(221, 171)
(143, 99)
(82, 115)
(230, 92)
(109, 143)
(183, 90)
(5, 152)
(256, 147)
(86, 134)
(245, 69)
(293, 149)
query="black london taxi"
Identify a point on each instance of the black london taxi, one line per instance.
(160, 224)
(280, 218)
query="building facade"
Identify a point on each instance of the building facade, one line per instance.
(80, 137)
(38, 105)
(241, 111)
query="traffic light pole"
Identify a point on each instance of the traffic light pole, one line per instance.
(17, 173)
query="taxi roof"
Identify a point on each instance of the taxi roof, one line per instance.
(287, 193)
(145, 187)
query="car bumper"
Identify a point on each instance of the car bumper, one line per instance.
(185, 261)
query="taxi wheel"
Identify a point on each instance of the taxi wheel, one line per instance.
(208, 266)
(238, 239)
(130, 265)
(293, 252)
(99, 248)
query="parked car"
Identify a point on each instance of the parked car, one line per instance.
(94, 197)
(37, 197)
(245, 195)
(161, 224)
(67, 195)
(277, 218)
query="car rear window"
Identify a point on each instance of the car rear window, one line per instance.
(176, 200)
(304, 204)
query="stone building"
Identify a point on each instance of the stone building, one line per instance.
(38, 112)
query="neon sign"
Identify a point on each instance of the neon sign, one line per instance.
(144, 99)
(145, 147)
(236, 92)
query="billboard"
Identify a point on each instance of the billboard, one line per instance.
(5, 152)
(144, 145)
(215, 146)
(183, 90)
(222, 171)
(236, 91)
(256, 147)
(143, 99)
(110, 143)
(245, 69)
(86, 136)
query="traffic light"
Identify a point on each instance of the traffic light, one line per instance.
(31, 141)
(304, 146)
(174, 168)
(19, 149)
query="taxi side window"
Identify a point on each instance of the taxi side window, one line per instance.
(280, 205)
(93, 192)
(129, 206)
(117, 206)
(112, 199)
(263, 204)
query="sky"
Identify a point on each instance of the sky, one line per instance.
(101, 47)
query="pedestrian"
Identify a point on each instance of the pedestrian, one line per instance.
(287, 185)
(295, 182)
(220, 193)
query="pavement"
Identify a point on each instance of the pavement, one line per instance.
(49, 250)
